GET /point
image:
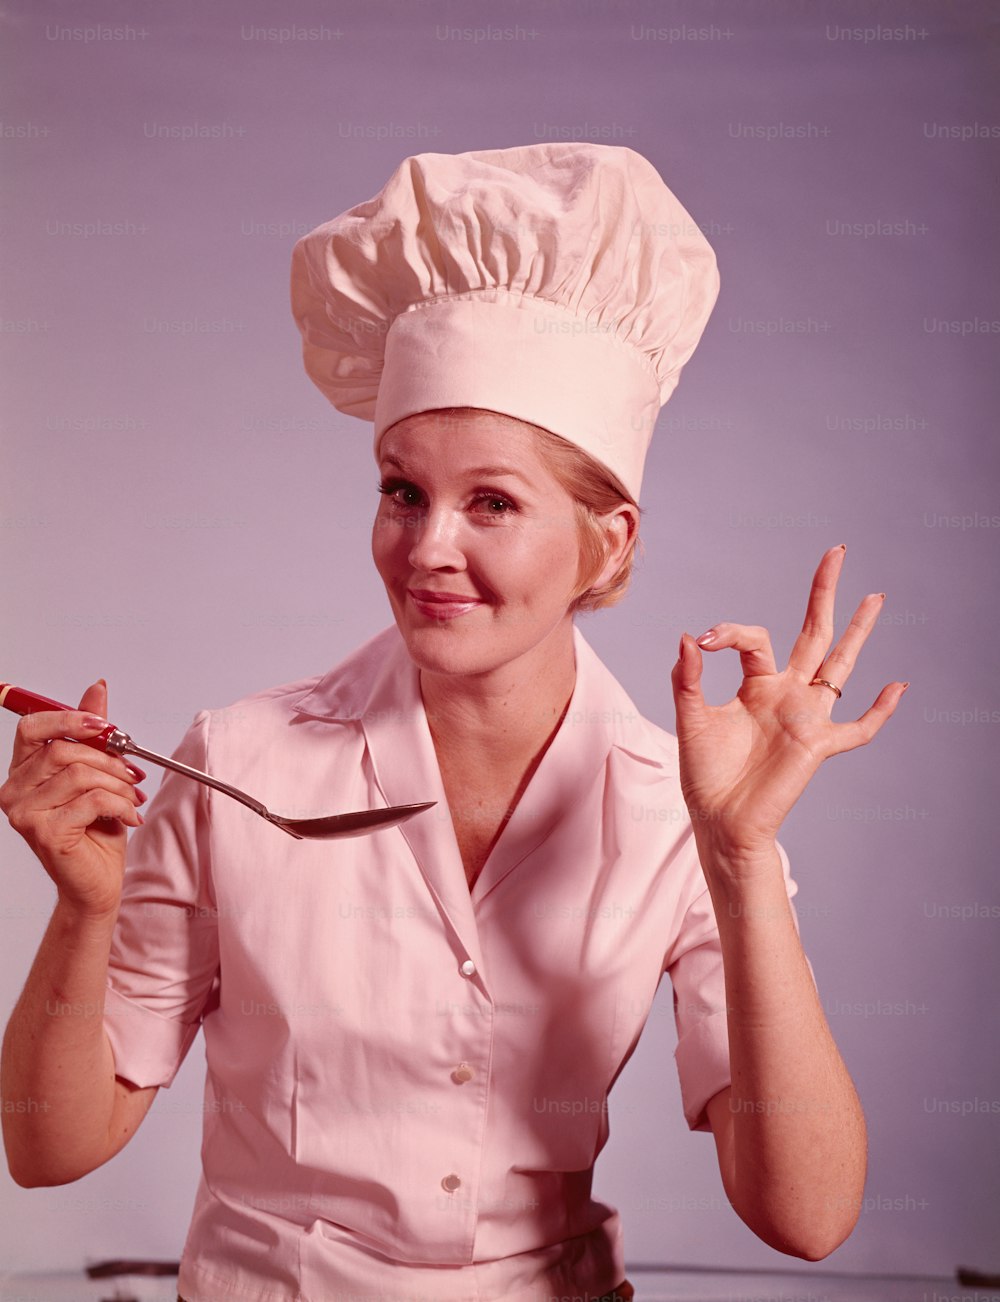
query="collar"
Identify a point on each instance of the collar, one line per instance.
(379, 679)
(378, 687)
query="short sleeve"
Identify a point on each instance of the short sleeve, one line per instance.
(165, 955)
(695, 966)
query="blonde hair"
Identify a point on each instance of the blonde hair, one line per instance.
(596, 491)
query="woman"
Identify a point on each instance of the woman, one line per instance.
(411, 1035)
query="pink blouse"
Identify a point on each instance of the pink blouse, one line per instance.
(407, 1080)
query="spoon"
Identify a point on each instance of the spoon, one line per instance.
(115, 742)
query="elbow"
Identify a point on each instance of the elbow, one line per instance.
(813, 1244)
(23, 1173)
(835, 1237)
(816, 1251)
(25, 1179)
(807, 1224)
(28, 1172)
(35, 1177)
(810, 1233)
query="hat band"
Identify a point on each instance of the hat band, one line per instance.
(525, 358)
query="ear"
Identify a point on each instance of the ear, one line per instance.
(619, 527)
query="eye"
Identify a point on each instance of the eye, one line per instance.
(494, 504)
(400, 492)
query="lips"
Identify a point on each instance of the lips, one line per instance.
(426, 594)
(442, 605)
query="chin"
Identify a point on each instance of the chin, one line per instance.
(463, 648)
(442, 649)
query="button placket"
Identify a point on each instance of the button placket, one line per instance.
(461, 1074)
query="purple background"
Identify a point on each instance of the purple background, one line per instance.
(182, 513)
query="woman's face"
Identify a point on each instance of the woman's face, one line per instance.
(476, 542)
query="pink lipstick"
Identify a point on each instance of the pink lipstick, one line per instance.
(442, 605)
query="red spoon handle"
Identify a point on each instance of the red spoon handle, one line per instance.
(21, 701)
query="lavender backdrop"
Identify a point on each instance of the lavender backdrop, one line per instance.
(183, 514)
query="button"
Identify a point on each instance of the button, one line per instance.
(468, 968)
(462, 1073)
(451, 1183)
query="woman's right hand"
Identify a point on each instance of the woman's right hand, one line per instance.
(72, 803)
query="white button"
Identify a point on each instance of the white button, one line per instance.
(462, 1073)
(451, 1183)
(468, 968)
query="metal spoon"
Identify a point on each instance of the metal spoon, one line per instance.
(115, 742)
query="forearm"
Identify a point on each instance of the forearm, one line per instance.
(799, 1138)
(57, 1075)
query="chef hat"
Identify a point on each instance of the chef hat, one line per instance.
(559, 283)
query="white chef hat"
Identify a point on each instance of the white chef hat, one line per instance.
(560, 283)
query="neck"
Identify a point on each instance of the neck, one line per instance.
(507, 713)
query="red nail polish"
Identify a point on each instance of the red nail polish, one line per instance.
(92, 721)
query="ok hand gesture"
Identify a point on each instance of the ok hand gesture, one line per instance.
(744, 764)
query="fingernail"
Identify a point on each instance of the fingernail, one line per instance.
(103, 682)
(93, 721)
(905, 686)
(706, 638)
(141, 795)
(680, 649)
(140, 818)
(843, 547)
(882, 595)
(137, 773)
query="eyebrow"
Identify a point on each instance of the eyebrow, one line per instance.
(476, 472)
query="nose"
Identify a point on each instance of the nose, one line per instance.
(436, 541)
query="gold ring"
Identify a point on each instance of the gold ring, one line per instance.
(822, 682)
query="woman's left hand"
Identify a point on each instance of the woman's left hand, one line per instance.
(744, 764)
